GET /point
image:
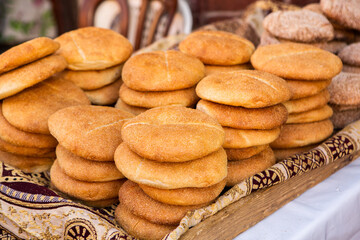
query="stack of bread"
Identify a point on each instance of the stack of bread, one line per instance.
(159, 78)
(29, 96)
(84, 167)
(95, 58)
(308, 70)
(302, 26)
(174, 160)
(219, 51)
(247, 103)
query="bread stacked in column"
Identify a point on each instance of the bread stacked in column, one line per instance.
(247, 103)
(95, 58)
(219, 51)
(308, 71)
(159, 78)
(174, 160)
(85, 168)
(29, 96)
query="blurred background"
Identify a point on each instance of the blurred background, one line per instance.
(141, 21)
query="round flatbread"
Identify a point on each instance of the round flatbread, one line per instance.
(29, 110)
(91, 132)
(173, 134)
(302, 89)
(235, 154)
(314, 115)
(128, 108)
(283, 153)
(26, 151)
(211, 69)
(93, 48)
(26, 76)
(244, 88)
(308, 103)
(106, 95)
(202, 172)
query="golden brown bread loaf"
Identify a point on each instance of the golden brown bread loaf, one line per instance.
(242, 169)
(183, 97)
(30, 109)
(93, 79)
(162, 71)
(282, 153)
(134, 199)
(26, 76)
(245, 118)
(217, 47)
(91, 132)
(296, 61)
(15, 136)
(140, 227)
(93, 48)
(106, 95)
(245, 88)
(78, 168)
(308, 103)
(27, 52)
(26, 164)
(211, 69)
(88, 191)
(202, 172)
(243, 138)
(303, 134)
(173, 134)
(302, 89)
(26, 151)
(184, 196)
(314, 115)
(235, 154)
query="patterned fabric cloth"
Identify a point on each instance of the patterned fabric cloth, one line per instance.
(30, 209)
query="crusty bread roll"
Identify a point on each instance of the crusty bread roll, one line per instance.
(242, 169)
(91, 132)
(128, 108)
(27, 164)
(183, 97)
(93, 48)
(17, 137)
(299, 25)
(162, 71)
(93, 79)
(26, 151)
(303, 134)
(26, 76)
(78, 167)
(133, 198)
(243, 138)
(302, 89)
(308, 103)
(217, 47)
(140, 227)
(202, 172)
(296, 61)
(88, 191)
(30, 109)
(235, 154)
(27, 52)
(173, 134)
(245, 88)
(314, 115)
(106, 95)
(345, 89)
(184, 196)
(245, 118)
(211, 69)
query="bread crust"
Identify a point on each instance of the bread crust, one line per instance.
(162, 71)
(106, 95)
(302, 89)
(314, 115)
(235, 154)
(128, 108)
(202, 172)
(245, 118)
(244, 88)
(345, 89)
(211, 69)
(308, 103)
(350, 54)
(217, 47)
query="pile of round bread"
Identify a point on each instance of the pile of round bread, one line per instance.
(84, 168)
(29, 96)
(308, 71)
(159, 78)
(174, 160)
(95, 59)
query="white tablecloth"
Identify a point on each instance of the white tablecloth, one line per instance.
(330, 210)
